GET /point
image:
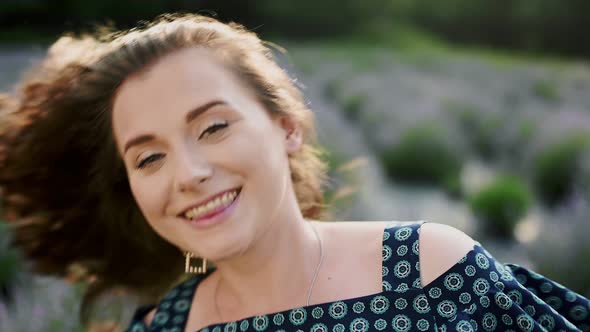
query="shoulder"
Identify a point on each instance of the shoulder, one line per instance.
(441, 247)
(147, 319)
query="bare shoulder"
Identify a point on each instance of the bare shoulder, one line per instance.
(149, 317)
(441, 247)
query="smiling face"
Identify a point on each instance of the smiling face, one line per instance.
(189, 131)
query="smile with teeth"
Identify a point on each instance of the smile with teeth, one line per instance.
(217, 203)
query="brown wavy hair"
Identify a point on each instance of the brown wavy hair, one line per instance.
(64, 186)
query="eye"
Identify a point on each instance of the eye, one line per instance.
(149, 160)
(216, 126)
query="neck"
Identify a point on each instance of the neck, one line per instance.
(273, 274)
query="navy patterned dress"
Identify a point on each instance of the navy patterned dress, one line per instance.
(477, 294)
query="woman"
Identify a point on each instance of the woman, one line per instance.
(183, 144)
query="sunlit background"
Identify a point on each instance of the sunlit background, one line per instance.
(472, 113)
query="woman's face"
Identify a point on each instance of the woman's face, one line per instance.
(192, 137)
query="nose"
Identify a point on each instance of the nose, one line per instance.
(191, 172)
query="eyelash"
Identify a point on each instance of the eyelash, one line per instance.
(209, 131)
(214, 128)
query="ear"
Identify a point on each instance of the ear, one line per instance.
(293, 134)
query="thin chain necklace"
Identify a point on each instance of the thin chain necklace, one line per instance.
(315, 275)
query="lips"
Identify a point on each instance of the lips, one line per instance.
(211, 204)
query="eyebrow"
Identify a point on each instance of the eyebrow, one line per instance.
(190, 116)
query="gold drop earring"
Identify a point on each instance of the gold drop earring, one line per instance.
(188, 268)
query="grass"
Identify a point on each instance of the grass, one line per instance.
(412, 44)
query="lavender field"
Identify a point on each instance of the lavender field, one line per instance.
(497, 114)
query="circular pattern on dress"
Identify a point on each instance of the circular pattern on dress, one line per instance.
(319, 327)
(578, 312)
(465, 298)
(416, 247)
(481, 286)
(570, 296)
(547, 322)
(529, 309)
(503, 301)
(421, 304)
(401, 323)
(521, 278)
(422, 324)
(339, 328)
(359, 325)
(435, 292)
(453, 281)
(386, 252)
(380, 324)
(500, 286)
(506, 276)
(182, 305)
(298, 316)
(402, 288)
(358, 307)
(546, 287)
(515, 295)
(402, 250)
(260, 322)
(471, 309)
(244, 325)
(447, 309)
(555, 302)
(506, 319)
(464, 326)
(216, 329)
(403, 233)
(386, 235)
(137, 327)
(489, 322)
(161, 318)
(178, 319)
(384, 271)
(317, 312)
(494, 276)
(485, 301)
(470, 270)
(400, 303)
(337, 310)
(525, 322)
(402, 269)
(482, 261)
(386, 286)
(379, 304)
(231, 327)
(417, 283)
(278, 319)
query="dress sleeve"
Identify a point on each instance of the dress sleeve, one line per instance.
(481, 294)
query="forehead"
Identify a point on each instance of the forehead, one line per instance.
(174, 84)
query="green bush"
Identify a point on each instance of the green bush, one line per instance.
(555, 167)
(479, 128)
(352, 106)
(424, 154)
(500, 205)
(546, 90)
(529, 25)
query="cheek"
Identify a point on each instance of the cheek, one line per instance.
(147, 195)
(258, 151)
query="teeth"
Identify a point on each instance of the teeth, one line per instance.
(225, 199)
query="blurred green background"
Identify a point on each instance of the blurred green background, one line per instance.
(472, 113)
